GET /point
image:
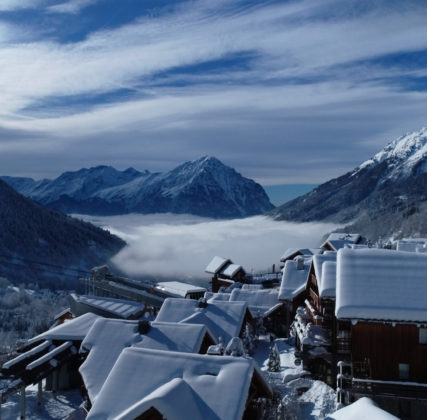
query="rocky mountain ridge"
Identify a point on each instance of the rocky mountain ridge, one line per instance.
(203, 187)
(384, 196)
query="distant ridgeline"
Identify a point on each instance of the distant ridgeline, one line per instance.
(384, 196)
(40, 245)
(203, 187)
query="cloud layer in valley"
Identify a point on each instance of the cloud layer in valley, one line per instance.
(176, 246)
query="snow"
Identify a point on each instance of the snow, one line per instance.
(216, 265)
(327, 288)
(231, 270)
(364, 408)
(293, 279)
(108, 337)
(55, 406)
(38, 349)
(403, 154)
(49, 356)
(339, 240)
(259, 301)
(119, 307)
(378, 284)
(224, 319)
(318, 261)
(293, 252)
(178, 288)
(180, 386)
(74, 329)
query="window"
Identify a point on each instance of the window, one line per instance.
(423, 335)
(403, 371)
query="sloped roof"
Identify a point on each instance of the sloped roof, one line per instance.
(259, 301)
(178, 288)
(178, 385)
(108, 337)
(318, 261)
(292, 252)
(217, 264)
(73, 329)
(379, 284)
(339, 240)
(329, 280)
(223, 319)
(119, 307)
(231, 270)
(363, 408)
(293, 280)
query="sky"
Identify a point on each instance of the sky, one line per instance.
(286, 92)
(181, 246)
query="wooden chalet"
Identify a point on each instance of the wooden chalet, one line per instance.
(338, 240)
(381, 311)
(174, 385)
(291, 253)
(292, 290)
(315, 325)
(225, 273)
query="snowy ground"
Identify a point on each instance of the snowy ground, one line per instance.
(54, 407)
(303, 398)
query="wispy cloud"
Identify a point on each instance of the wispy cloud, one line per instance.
(307, 59)
(182, 246)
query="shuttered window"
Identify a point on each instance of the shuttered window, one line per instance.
(423, 335)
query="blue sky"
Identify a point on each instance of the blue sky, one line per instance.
(286, 92)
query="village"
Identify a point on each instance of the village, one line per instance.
(339, 332)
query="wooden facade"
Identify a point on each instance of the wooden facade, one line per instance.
(389, 353)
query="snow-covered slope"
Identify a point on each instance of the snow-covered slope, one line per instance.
(385, 195)
(204, 187)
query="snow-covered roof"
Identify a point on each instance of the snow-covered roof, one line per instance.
(292, 252)
(293, 280)
(73, 329)
(179, 289)
(108, 337)
(329, 280)
(379, 284)
(216, 265)
(412, 245)
(318, 261)
(363, 408)
(340, 240)
(119, 307)
(259, 301)
(223, 319)
(231, 270)
(180, 386)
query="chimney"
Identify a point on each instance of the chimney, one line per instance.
(300, 263)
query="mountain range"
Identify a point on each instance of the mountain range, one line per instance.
(384, 196)
(41, 245)
(203, 187)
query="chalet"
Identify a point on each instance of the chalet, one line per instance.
(314, 325)
(181, 386)
(381, 311)
(262, 303)
(109, 337)
(224, 272)
(52, 355)
(337, 240)
(291, 253)
(412, 245)
(223, 319)
(180, 290)
(105, 307)
(293, 287)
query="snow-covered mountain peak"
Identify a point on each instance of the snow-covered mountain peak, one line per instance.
(402, 155)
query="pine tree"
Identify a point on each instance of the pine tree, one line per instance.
(248, 339)
(274, 359)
